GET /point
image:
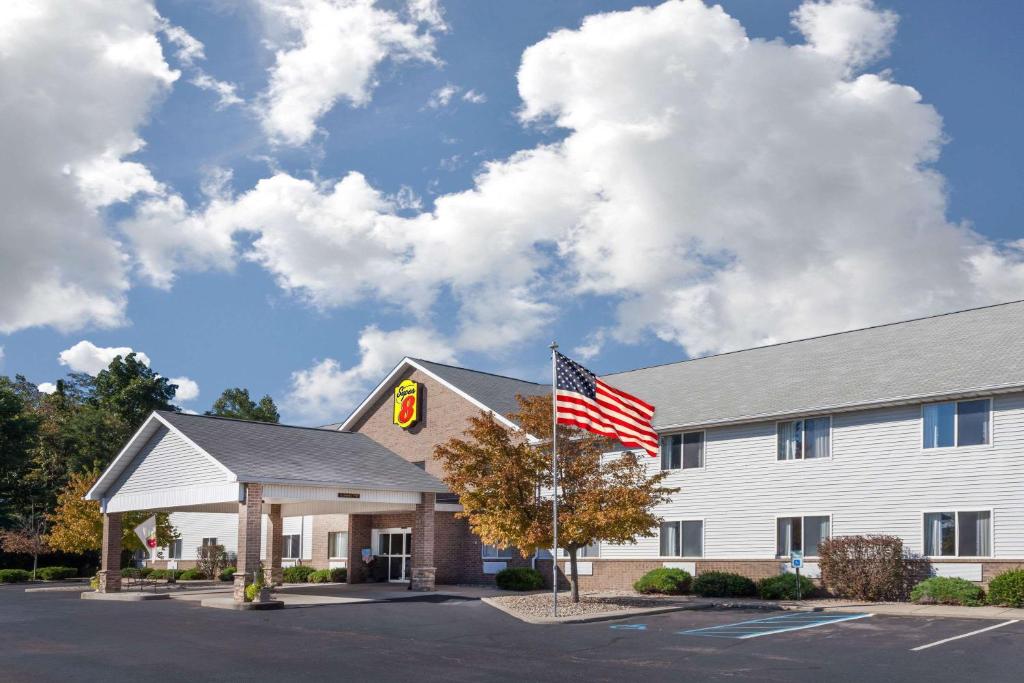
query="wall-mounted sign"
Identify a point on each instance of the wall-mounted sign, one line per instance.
(407, 404)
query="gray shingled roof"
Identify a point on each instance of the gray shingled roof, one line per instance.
(258, 451)
(497, 392)
(979, 349)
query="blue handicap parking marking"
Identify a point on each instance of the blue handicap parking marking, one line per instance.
(771, 625)
(629, 627)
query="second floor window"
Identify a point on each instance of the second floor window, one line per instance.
(682, 451)
(805, 439)
(957, 423)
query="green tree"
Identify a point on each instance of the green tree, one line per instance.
(19, 430)
(497, 473)
(237, 404)
(131, 390)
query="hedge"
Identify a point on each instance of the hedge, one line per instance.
(519, 579)
(1007, 589)
(227, 574)
(945, 590)
(664, 580)
(56, 573)
(14, 575)
(783, 587)
(298, 574)
(192, 575)
(166, 574)
(723, 585)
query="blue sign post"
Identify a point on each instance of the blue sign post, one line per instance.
(796, 559)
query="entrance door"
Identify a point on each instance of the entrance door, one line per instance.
(395, 548)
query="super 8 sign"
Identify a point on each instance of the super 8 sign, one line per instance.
(407, 404)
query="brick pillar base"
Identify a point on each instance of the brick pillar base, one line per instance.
(238, 592)
(109, 581)
(423, 578)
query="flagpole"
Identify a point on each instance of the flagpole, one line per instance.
(554, 476)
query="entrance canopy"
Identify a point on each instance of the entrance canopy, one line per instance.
(202, 464)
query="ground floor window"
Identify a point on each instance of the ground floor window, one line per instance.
(174, 550)
(337, 544)
(961, 533)
(292, 549)
(592, 550)
(493, 552)
(802, 534)
(684, 538)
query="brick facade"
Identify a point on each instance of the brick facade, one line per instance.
(249, 538)
(323, 526)
(109, 575)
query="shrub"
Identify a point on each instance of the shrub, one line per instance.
(1007, 589)
(157, 574)
(56, 573)
(192, 575)
(723, 585)
(945, 590)
(664, 580)
(250, 592)
(14, 575)
(339, 575)
(227, 574)
(873, 568)
(298, 574)
(519, 579)
(144, 572)
(320, 576)
(211, 560)
(94, 583)
(783, 587)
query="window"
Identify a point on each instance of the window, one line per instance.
(949, 534)
(174, 550)
(209, 541)
(337, 544)
(682, 451)
(592, 550)
(493, 552)
(805, 439)
(801, 534)
(957, 423)
(292, 549)
(682, 539)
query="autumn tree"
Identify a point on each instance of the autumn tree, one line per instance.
(237, 404)
(76, 525)
(500, 475)
(27, 536)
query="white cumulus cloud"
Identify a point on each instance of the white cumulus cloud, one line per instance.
(46, 387)
(330, 50)
(188, 389)
(76, 83)
(327, 391)
(720, 191)
(89, 358)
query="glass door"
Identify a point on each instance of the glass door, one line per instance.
(395, 549)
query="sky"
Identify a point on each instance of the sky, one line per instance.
(292, 195)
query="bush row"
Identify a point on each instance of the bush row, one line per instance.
(519, 579)
(44, 573)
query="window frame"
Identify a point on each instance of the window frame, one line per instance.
(831, 433)
(330, 556)
(508, 554)
(209, 538)
(285, 544)
(956, 425)
(703, 538)
(803, 530)
(176, 543)
(956, 533)
(682, 456)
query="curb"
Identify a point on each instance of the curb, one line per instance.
(590, 618)
(124, 597)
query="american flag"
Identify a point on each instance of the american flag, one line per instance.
(584, 401)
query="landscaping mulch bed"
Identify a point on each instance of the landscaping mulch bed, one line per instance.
(539, 604)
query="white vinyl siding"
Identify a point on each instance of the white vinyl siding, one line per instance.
(167, 457)
(878, 481)
(193, 527)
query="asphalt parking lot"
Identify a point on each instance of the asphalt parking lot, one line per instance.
(59, 637)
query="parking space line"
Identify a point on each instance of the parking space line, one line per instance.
(963, 635)
(771, 625)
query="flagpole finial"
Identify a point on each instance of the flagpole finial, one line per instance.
(554, 346)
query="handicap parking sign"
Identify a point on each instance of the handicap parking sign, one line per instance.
(796, 558)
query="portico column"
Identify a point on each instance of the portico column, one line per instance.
(423, 569)
(360, 535)
(273, 574)
(109, 575)
(249, 514)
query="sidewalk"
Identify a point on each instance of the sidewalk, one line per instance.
(908, 609)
